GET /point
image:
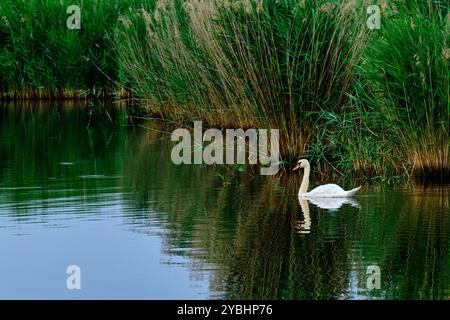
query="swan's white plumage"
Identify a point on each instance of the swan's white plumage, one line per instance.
(329, 191)
(325, 191)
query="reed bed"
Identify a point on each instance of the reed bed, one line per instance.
(355, 101)
(41, 58)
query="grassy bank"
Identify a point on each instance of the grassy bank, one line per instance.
(360, 102)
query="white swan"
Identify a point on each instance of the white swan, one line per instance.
(325, 191)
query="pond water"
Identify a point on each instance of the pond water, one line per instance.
(79, 186)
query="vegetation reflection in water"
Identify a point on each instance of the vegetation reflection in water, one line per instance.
(249, 231)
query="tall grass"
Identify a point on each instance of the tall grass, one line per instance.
(399, 120)
(41, 58)
(242, 63)
(406, 67)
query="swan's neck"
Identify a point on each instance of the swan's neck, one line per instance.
(305, 181)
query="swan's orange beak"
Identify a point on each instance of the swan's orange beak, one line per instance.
(296, 167)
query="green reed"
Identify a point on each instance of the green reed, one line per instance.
(367, 103)
(41, 58)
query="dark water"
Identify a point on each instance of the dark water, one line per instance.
(80, 187)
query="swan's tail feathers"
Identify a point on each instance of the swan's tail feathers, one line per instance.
(353, 191)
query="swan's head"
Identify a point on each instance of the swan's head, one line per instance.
(303, 163)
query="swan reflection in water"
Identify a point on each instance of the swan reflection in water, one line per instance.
(330, 204)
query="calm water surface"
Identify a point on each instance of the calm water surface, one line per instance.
(79, 186)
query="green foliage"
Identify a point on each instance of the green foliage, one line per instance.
(38, 53)
(364, 102)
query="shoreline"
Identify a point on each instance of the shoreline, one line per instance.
(324, 172)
